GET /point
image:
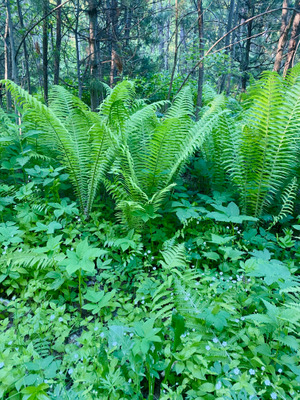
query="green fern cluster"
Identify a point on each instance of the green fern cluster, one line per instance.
(83, 140)
(259, 149)
(153, 152)
(147, 152)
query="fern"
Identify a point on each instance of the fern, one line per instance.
(85, 144)
(178, 289)
(288, 198)
(259, 149)
(41, 346)
(29, 260)
(153, 154)
(292, 307)
(115, 107)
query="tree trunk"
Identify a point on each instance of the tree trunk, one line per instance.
(78, 51)
(246, 56)
(201, 54)
(7, 62)
(294, 40)
(26, 58)
(176, 48)
(45, 50)
(14, 70)
(286, 24)
(233, 46)
(114, 39)
(93, 56)
(57, 44)
(128, 23)
(227, 40)
(167, 40)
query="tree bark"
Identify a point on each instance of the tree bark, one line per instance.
(246, 56)
(45, 51)
(93, 56)
(114, 39)
(201, 54)
(7, 62)
(78, 50)
(57, 44)
(176, 48)
(14, 69)
(286, 24)
(26, 57)
(227, 40)
(294, 39)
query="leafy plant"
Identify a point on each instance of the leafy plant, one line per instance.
(259, 149)
(82, 259)
(83, 140)
(153, 155)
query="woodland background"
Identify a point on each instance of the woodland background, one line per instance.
(79, 44)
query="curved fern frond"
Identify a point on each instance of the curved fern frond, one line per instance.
(72, 144)
(288, 198)
(174, 258)
(259, 149)
(183, 104)
(115, 107)
(102, 155)
(85, 142)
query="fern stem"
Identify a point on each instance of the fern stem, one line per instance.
(151, 383)
(79, 289)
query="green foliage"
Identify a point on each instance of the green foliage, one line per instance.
(258, 150)
(81, 137)
(153, 154)
(203, 303)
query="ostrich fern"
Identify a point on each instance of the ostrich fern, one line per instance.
(83, 139)
(259, 150)
(149, 152)
(153, 153)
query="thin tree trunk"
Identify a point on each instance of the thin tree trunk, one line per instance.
(286, 24)
(293, 42)
(246, 56)
(114, 39)
(7, 62)
(227, 39)
(160, 30)
(14, 69)
(93, 59)
(233, 47)
(45, 50)
(167, 39)
(201, 54)
(26, 58)
(128, 23)
(57, 44)
(78, 51)
(176, 48)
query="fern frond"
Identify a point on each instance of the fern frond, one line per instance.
(102, 155)
(189, 303)
(183, 104)
(287, 199)
(163, 301)
(269, 141)
(115, 107)
(72, 144)
(86, 144)
(174, 258)
(259, 149)
(28, 260)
